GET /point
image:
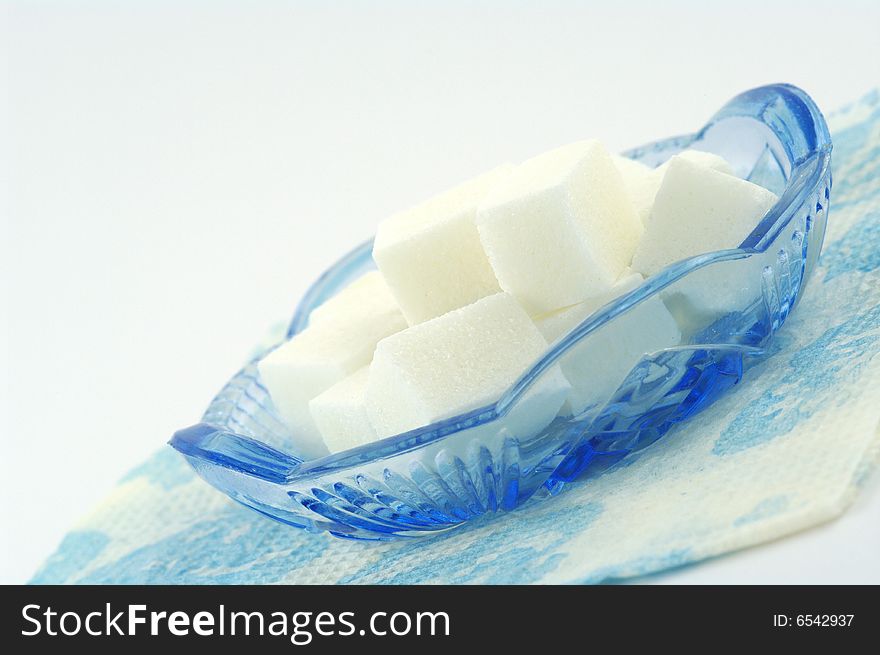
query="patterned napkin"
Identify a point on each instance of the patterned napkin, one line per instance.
(786, 450)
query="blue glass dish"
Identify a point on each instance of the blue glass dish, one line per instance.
(439, 476)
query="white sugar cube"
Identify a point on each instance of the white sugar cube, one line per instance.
(316, 359)
(597, 365)
(431, 255)
(459, 362)
(367, 296)
(642, 182)
(341, 415)
(560, 228)
(698, 210)
(701, 158)
(556, 324)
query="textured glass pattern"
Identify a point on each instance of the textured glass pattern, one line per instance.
(442, 475)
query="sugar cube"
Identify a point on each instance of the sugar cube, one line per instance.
(557, 323)
(341, 415)
(560, 228)
(431, 255)
(366, 296)
(701, 158)
(458, 362)
(317, 358)
(642, 182)
(698, 210)
(598, 364)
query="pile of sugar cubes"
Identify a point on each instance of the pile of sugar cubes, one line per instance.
(473, 285)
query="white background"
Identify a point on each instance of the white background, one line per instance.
(179, 172)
